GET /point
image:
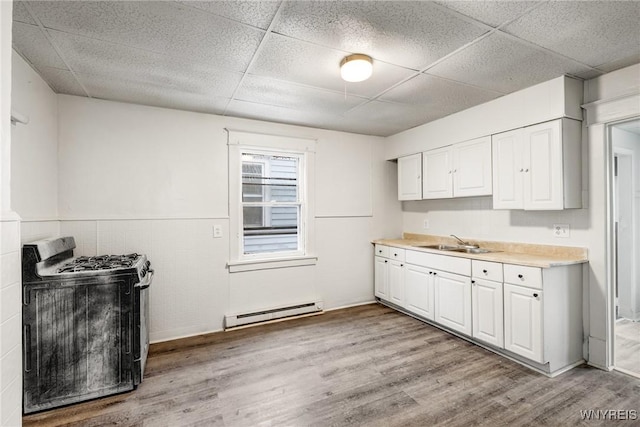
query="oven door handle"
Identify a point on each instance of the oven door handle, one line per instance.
(147, 282)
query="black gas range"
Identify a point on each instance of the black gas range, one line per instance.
(85, 323)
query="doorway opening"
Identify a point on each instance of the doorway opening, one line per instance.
(625, 192)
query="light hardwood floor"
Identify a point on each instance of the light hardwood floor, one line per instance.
(366, 365)
(627, 351)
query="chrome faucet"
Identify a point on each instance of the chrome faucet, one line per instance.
(463, 243)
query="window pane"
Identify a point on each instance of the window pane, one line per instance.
(269, 177)
(253, 216)
(278, 231)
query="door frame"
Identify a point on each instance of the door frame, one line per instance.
(611, 243)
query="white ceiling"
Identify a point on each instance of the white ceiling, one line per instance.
(278, 60)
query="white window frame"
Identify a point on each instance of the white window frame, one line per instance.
(239, 142)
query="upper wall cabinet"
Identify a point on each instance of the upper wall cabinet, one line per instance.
(538, 167)
(460, 170)
(410, 177)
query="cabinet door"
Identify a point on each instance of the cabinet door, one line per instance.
(453, 301)
(472, 168)
(381, 278)
(508, 170)
(523, 322)
(418, 286)
(488, 325)
(543, 175)
(437, 171)
(396, 282)
(410, 177)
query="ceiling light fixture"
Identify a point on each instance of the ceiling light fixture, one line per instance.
(356, 67)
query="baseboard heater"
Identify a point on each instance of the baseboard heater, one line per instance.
(234, 320)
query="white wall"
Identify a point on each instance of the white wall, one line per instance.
(559, 97)
(34, 178)
(10, 286)
(152, 180)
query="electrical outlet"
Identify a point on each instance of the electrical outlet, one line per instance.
(217, 231)
(426, 224)
(562, 230)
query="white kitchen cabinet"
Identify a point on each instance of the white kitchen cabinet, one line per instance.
(538, 167)
(437, 174)
(396, 282)
(410, 177)
(419, 291)
(460, 170)
(472, 168)
(389, 274)
(381, 277)
(453, 301)
(523, 327)
(487, 309)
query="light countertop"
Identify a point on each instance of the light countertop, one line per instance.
(544, 256)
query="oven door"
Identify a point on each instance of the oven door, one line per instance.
(141, 327)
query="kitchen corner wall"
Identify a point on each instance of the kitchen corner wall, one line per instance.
(132, 178)
(10, 286)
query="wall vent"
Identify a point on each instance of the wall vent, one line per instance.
(234, 320)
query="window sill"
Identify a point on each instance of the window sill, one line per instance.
(270, 263)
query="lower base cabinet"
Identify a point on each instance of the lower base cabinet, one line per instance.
(487, 302)
(453, 301)
(419, 291)
(523, 322)
(506, 311)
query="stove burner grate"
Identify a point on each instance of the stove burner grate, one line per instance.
(100, 262)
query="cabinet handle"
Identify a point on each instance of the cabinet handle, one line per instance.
(385, 261)
(449, 171)
(455, 170)
(380, 251)
(535, 295)
(435, 274)
(473, 282)
(521, 170)
(520, 276)
(526, 170)
(401, 265)
(484, 271)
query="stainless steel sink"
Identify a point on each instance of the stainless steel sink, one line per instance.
(439, 247)
(457, 249)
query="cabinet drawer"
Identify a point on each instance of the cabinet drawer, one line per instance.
(487, 270)
(440, 262)
(382, 250)
(396, 254)
(523, 276)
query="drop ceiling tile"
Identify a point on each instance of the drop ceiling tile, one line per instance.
(292, 60)
(276, 114)
(438, 96)
(163, 27)
(272, 113)
(500, 63)
(284, 94)
(32, 44)
(256, 13)
(593, 32)
(124, 90)
(61, 81)
(620, 63)
(491, 13)
(20, 13)
(391, 115)
(114, 61)
(410, 34)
